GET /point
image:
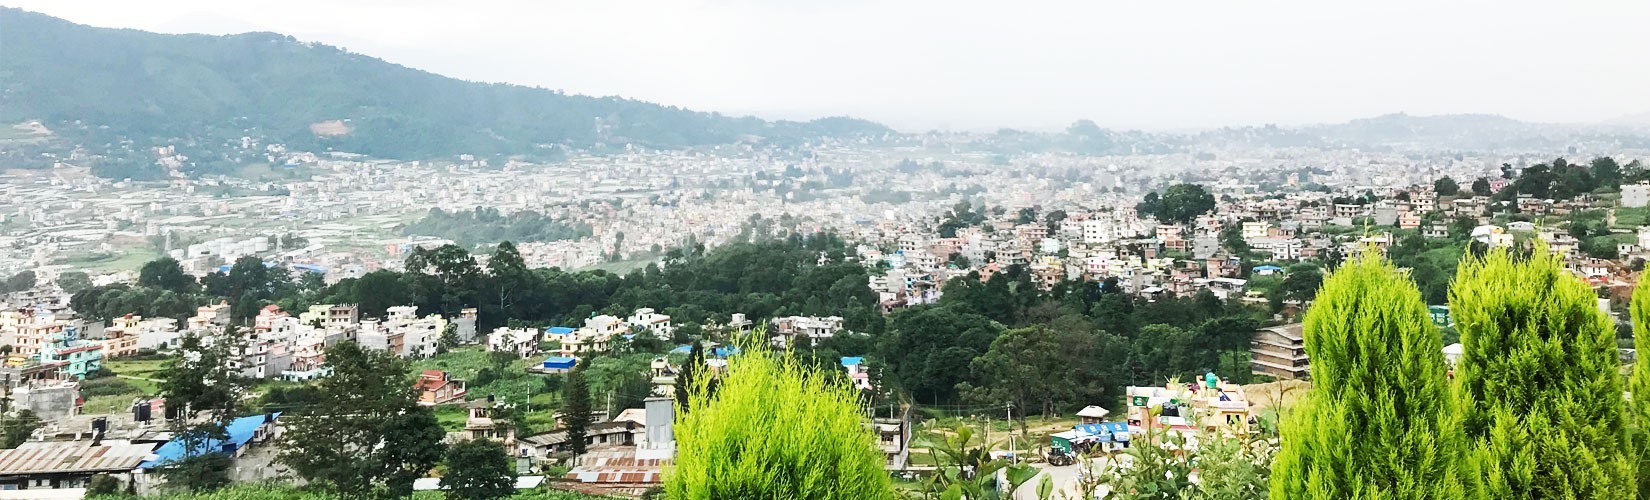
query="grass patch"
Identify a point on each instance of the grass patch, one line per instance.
(1632, 217)
(122, 260)
(144, 368)
(451, 417)
(101, 405)
(509, 382)
(143, 374)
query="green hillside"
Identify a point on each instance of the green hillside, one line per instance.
(97, 87)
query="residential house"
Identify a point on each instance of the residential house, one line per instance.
(861, 377)
(437, 387)
(596, 336)
(1280, 351)
(480, 425)
(522, 341)
(121, 338)
(659, 324)
(787, 329)
(82, 358)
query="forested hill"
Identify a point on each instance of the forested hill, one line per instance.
(151, 87)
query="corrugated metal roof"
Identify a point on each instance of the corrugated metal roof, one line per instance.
(71, 456)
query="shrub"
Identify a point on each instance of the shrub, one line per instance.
(775, 429)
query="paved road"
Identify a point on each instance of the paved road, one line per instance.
(1065, 482)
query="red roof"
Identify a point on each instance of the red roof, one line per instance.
(430, 380)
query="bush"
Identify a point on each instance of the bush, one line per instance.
(108, 386)
(103, 484)
(775, 429)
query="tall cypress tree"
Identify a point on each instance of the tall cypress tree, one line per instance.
(1379, 421)
(575, 408)
(1639, 384)
(1540, 395)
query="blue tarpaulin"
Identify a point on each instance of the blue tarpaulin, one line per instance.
(559, 330)
(852, 360)
(240, 432)
(1107, 431)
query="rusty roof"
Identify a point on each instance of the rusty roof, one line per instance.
(71, 456)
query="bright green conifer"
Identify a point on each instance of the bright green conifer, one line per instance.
(1379, 421)
(1541, 398)
(1639, 384)
(775, 429)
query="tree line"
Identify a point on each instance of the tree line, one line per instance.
(485, 225)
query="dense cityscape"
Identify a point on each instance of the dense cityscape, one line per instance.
(634, 303)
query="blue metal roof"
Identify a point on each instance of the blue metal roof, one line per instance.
(314, 268)
(560, 362)
(240, 431)
(559, 330)
(852, 360)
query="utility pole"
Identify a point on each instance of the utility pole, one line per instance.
(1011, 449)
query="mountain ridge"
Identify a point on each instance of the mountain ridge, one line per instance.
(109, 85)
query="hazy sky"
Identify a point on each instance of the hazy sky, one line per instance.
(964, 64)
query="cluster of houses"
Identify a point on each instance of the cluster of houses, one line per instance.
(1148, 256)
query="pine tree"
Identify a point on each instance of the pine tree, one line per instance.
(575, 408)
(1379, 421)
(1541, 399)
(1639, 384)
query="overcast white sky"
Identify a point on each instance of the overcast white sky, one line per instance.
(964, 64)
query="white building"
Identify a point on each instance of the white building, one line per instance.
(1097, 231)
(659, 324)
(1635, 195)
(522, 341)
(813, 328)
(596, 335)
(158, 334)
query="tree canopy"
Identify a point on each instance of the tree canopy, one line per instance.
(1181, 203)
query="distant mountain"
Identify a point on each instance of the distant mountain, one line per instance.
(1632, 120)
(1403, 132)
(104, 86)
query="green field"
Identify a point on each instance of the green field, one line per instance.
(513, 385)
(120, 260)
(1632, 217)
